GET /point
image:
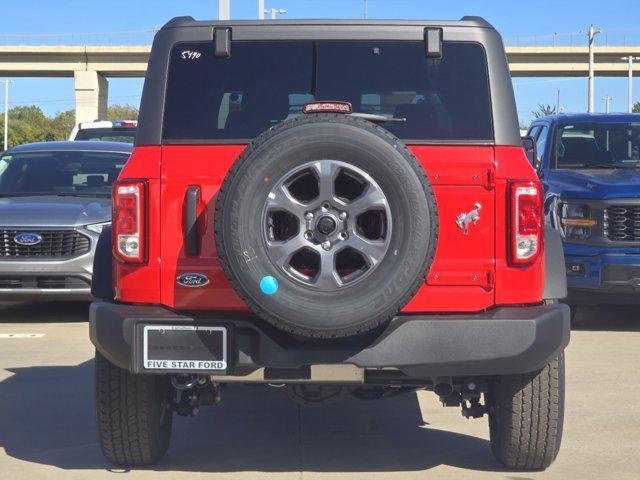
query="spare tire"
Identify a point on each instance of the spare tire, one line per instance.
(326, 225)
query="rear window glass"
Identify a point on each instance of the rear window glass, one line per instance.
(124, 135)
(263, 83)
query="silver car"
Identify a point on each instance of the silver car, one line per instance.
(55, 199)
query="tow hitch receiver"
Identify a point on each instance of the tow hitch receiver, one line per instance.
(195, 390)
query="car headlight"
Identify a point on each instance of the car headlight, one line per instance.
(97, 227)
(576, 221)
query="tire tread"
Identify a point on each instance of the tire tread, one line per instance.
(127, 409)
(526, 417)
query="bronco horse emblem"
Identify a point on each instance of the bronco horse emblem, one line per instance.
(465, 219)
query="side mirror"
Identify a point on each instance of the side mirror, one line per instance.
(529, 145)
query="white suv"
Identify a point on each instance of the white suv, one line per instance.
(105, 130)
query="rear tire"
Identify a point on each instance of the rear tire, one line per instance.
(574, 312)
(134, 414)
(526, 414)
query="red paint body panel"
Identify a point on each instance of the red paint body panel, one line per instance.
(144, 163)
(141, 283)
(514, 285)
(437, 299)
(461, 277)
(462, 261)
(459, 165)
(469, 273)
(205, 167)
(512, 164)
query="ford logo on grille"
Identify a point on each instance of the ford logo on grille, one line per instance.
(27, 239)
(192, 280)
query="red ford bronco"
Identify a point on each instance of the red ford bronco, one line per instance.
(340, 207)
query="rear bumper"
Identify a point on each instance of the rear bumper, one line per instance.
(500, 342)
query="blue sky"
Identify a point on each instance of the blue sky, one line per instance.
(516, 20)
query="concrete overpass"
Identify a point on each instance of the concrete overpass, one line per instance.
(90, 66)
(570, 61)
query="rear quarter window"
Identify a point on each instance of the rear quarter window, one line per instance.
(210, 99)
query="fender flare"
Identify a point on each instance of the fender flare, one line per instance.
(555, 284)
(102, 281)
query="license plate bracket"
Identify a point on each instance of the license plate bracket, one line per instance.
(185, 348)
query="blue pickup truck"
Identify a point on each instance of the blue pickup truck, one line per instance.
(589, 165)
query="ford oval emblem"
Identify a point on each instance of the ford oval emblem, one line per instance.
(27, 239)
(192, 280)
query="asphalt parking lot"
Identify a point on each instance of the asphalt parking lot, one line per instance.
(47, 425)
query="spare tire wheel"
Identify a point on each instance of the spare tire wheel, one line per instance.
(326, 225)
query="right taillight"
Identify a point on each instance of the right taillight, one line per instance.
(128, 221)
(527, 223)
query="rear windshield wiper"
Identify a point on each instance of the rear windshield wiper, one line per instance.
(372, 117)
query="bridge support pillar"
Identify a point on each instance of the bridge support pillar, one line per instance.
(92, 91)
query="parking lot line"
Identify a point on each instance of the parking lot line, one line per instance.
(21, 335)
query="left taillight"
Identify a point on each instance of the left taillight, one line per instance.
(128, 221)
(527, 223)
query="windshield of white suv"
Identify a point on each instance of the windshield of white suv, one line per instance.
(124, 135)
(210, 98)
(59, 173)
(598, 145)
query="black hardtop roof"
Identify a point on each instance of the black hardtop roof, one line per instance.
(185, 29)
(78, 146)
(466, 21)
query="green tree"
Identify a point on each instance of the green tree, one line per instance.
(544, 110)
(122, 112)
(29, 124)
(62, 123)
(636, 108)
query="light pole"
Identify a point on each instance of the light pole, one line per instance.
(592, 33)
(630, 59)
(224, 10)
(607, 100)
(6, 113)
(366, 9)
